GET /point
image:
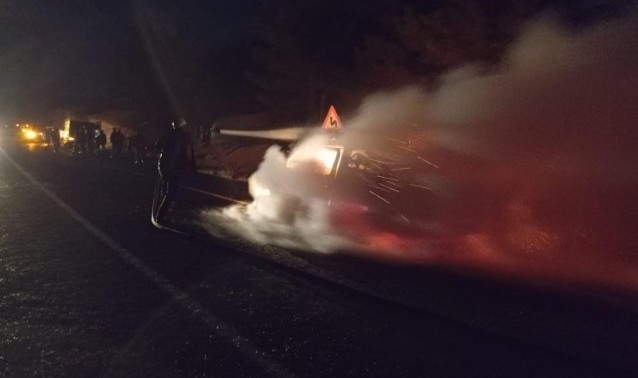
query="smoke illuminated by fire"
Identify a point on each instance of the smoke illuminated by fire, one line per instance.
(529, 170)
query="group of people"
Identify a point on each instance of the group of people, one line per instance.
(175, 148)
(86, 140)
(136, 145)
(176, 155)
(93, 142)
(53, 135)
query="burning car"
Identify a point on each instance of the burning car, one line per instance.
(385, 183)
(72, 127)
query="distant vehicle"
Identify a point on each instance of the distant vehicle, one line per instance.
(72, 127)
(31, 134)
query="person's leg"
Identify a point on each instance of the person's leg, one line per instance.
(170, 186)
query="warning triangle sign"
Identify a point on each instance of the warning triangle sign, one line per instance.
(332, 121)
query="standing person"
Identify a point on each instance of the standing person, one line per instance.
(80, 141)
(113, 140)
(117, 140)
(139, 144)
(130, 148)
(123, 151)
(101, 141)
(216, 136)
(175, 148)
(55, 138)
(91, 142)
(206, 135)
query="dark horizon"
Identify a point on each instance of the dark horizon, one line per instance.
(210, 59)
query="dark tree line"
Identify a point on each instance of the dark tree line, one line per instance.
(314, 53)
(289, 58)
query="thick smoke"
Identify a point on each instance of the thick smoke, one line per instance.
(566, 98)
(556, 130)
(285, 210)
(530, 169)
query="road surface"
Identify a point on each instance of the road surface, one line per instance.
(89, 288)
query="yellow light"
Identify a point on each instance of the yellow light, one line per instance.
(30, 134)
(321, 160)
(326, 158)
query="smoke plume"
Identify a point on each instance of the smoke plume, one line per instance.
(530, 169)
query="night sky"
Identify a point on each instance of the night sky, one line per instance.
(88, 57)
(59, 53)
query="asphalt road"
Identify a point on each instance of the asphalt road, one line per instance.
(89, 288)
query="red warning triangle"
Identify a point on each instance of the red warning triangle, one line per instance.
(332, 121)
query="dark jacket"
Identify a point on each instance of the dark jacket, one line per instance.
(175, 147)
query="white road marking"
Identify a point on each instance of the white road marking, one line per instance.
(243, 344)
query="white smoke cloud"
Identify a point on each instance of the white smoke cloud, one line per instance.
(536, 164)
(286, 210)
(569, 95)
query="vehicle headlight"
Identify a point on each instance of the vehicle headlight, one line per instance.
(30, 134)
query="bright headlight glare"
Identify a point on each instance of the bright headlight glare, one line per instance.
(30, 134)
